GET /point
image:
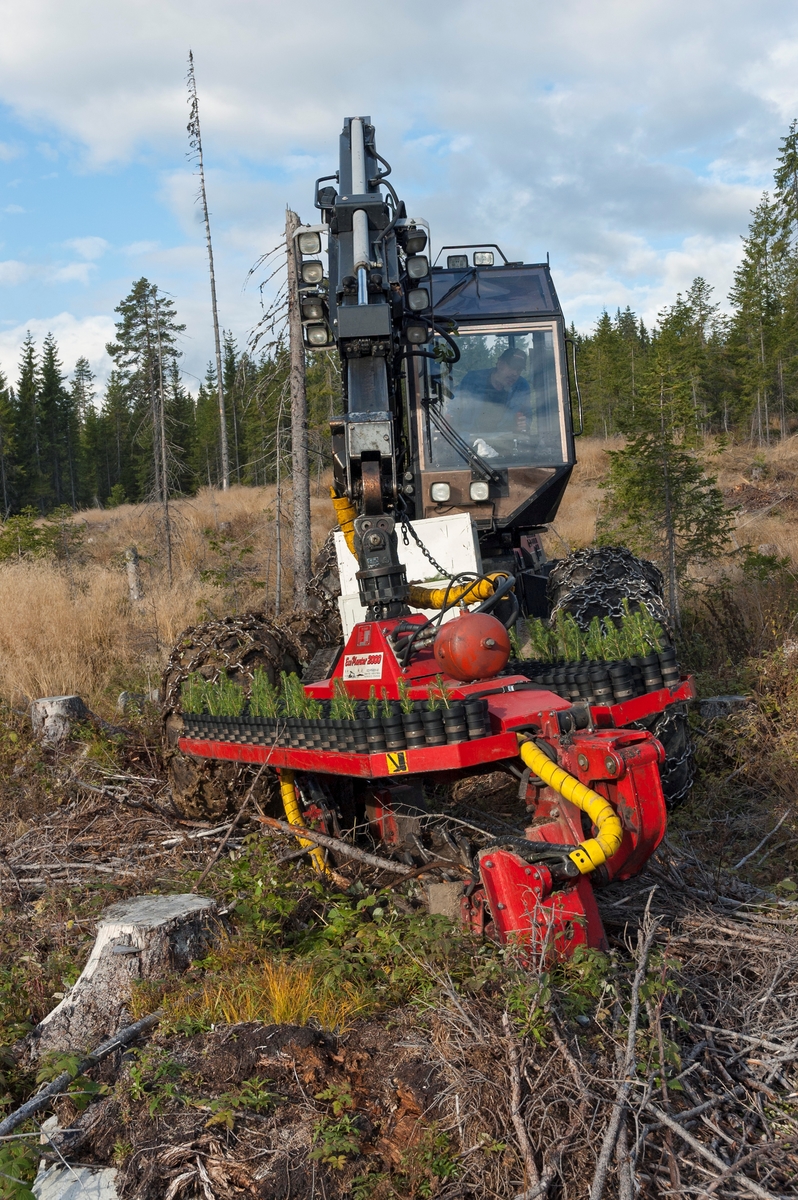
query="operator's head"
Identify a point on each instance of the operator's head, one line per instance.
(509, 367)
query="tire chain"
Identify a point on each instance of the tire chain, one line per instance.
(595, 582)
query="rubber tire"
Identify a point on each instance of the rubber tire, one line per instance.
(594, 583)
(204, 788)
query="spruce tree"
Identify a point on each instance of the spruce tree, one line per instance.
(662, 502)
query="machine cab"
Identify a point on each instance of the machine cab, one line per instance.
(493, 431)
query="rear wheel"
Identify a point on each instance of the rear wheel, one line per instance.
(594, 583)
(207, 788)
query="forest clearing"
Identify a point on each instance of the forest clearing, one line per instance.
(377, 1052)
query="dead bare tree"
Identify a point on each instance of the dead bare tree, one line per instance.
(299, 419)
(195, 142)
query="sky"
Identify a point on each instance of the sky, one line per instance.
(628, 139)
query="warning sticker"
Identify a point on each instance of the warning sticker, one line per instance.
(363, 666)
(397, 762)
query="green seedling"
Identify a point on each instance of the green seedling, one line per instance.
(444, 692)
(385, 707)
(264, 698)
(225, 698)
(405, 703)
(193, 695)
(373, 703)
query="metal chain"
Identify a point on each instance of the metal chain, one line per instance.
(596, 581)
(407, 528)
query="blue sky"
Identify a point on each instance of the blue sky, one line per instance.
(628, 140)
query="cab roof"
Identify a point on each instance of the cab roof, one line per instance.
(495, 293)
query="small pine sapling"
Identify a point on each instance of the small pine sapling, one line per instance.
(264, 698)
(444, 692)
(193, 695)
(405, 703)
(385, 706)
(373, 704)
(594, 641)
(226, 698)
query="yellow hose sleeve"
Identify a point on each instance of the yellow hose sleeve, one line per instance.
(427, 597)
(294, 817)
(345, 513)
(595, 851)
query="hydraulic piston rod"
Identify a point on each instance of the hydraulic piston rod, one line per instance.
(360, 222)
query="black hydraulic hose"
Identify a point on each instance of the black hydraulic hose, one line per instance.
(501, 590)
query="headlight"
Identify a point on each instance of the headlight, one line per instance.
(479, 490)
(312, 272)
(309, 243)
(440, 492)
(417, 299)
(416, 240)
(417, 334)
(313, 310)
(457, 262)
(317, 335)
(418, 266)
(483, 258)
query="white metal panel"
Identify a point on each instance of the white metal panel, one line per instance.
(451, 540)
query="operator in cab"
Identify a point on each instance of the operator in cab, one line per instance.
(494, 403)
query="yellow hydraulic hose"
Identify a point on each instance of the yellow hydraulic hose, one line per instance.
(595, 851)
(346, 512)
(294, 817)
(427, 597)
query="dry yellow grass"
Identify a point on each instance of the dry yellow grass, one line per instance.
(75, 630)
(280, 993)
(72, 628)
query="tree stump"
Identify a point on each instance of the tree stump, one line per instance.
(133, 574)
(52, 717)
(75, 1183)
(143, 938)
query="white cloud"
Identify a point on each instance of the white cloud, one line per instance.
(13, 209)
(631, 140)
(88, 247)
(71, 273)
(7, 153)
(13, 272)
(75, 337)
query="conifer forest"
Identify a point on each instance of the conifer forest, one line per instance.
(66, 441)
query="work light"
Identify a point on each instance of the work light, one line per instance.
(312, 272)
(417, 299)
(440, 492)
(483, 258)
(309, 243)
(479, 490)
(313, 310)
(457, 262)
(417, 334)
(418, 266)
(317, 335)
(416, 240)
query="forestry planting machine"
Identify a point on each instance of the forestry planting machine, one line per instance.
(457, 434)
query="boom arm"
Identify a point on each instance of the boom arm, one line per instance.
(377, 307)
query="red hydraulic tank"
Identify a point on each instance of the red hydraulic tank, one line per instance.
(472, 646)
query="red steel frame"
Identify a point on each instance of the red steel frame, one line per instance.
(513, 899)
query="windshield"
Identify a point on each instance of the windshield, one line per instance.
(501, 402)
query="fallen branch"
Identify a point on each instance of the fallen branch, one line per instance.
(624, 1087)
(42, 1098)
(699, 1147)
(765, 839)
(530, 1167)
(342, 847)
